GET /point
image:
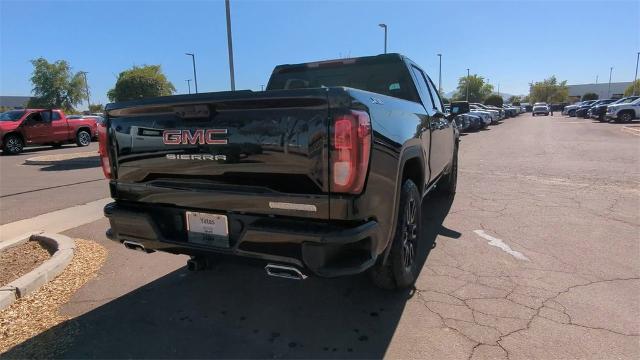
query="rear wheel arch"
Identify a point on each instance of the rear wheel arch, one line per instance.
(411, 167)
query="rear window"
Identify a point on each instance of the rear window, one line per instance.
(391, 78)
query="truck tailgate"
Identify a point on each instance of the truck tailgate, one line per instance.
(263, 152)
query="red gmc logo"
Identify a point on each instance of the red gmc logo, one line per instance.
(188, 137)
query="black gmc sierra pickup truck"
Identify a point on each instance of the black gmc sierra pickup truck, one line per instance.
(323, 173)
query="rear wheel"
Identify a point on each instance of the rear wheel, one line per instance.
(13, 144)
(572, 113)
(401, 268)
(83, 138)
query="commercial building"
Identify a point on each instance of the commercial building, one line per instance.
(602, 89)
(14, 101)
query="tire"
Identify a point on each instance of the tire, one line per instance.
(572, 113)
(12, 144)
(533, 114)
(83, 138)
(625, 117)
(401, 268)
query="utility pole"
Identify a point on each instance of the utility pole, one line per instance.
(261, 87)
(384, 26)
(189, 85)
(635, 78)
(468, 84)
(609, 90)
(195, 77)
(230, 46)
(596, 79)
(440, 74)
(86, 87)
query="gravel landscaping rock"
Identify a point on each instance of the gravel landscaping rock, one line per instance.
(19, 260)
(39, 311)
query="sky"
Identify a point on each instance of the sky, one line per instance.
(511, 43)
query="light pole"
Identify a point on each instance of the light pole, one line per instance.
(86, 87)
(195, 77)
(635, 78)
(596, 79)
(189, 85)
(384, 26)
(230, 46)
(440, 74)
(468, 85)
(609, 90)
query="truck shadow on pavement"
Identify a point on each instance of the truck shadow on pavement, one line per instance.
(236, 311)
(73, 164)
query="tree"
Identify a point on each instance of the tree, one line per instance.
(633, 89)
(514, 100)
(55, 86)
(96, 108)
(478, 90)
(495, 100)
(589, 96)
(141, 82)
(549, 91)
(524, 99)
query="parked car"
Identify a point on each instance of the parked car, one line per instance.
(540, 108)
(624, 111)
(583, 109)
(475, 122)
(485, 116)
(498, 113)
(571, 109)
(494, 114)
(19, 128)
(599, 109)
(324, 209)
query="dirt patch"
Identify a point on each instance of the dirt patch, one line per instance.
(39, 311)
(21, 259)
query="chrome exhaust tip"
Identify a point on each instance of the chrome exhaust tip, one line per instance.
(284, 271)
(132, 245)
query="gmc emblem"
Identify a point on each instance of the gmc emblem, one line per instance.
(188, 137)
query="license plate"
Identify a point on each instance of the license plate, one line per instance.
(207, 229)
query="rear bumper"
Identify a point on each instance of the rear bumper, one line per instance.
(326, 249)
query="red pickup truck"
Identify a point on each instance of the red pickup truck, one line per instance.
(19, 128)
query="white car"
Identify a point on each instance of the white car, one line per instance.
(495, 115)
(540, 108)
(624, 111)
(484, 115)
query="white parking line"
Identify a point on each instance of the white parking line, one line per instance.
(501, 244)
(55, 221)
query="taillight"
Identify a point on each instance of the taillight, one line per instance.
(105, 162)
(351, 149)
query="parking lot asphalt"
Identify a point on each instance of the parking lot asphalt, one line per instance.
(30, 190)
(537, 257)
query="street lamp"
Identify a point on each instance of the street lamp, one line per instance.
(189, 85)
(384, 26)
(86, 87)
(635, 78)
(195, 77)
(440, 74)
(468, 85)
(230, 46)
(609, 90)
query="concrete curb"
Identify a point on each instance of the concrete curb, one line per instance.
(62, 247)
(88, 157)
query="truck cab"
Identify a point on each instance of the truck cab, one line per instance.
(25, 127)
